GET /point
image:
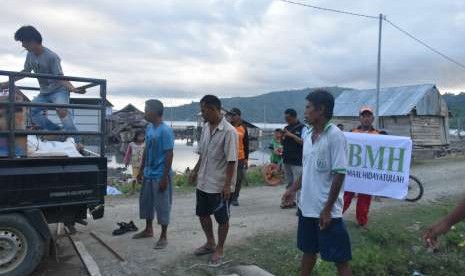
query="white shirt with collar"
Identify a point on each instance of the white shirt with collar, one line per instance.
(217, 148)
(321, 161)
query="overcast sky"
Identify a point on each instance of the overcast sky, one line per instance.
(178, 50)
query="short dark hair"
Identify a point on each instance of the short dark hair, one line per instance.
(321, 97)
(28, 34)
(211, 101)
(139, 132)
(235, 111)
(154, 106)
(278, 130)
(291, 112)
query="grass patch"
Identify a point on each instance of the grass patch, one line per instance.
(253, 176)
(181, 184)
(125, 187)
(392, 246)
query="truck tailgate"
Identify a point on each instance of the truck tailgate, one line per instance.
(49, 182)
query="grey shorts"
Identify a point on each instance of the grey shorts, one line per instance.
(152, 201)
(292, 173)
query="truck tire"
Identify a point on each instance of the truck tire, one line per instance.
(21, 247)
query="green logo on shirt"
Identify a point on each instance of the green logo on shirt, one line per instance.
(321, 164)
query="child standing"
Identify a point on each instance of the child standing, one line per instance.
(276, 147)
(134, 155)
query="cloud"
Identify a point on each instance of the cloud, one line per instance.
(180, 50)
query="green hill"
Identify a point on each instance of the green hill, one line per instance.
(269, 106)
(456, 104)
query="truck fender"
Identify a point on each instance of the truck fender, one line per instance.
(38, 221)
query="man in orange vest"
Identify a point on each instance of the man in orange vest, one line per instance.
(363, 201)
(243, 151)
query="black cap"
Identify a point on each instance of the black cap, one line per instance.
(235, 111)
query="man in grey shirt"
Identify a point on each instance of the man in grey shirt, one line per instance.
(42, 60)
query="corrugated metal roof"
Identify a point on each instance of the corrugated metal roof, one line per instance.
(394, 101)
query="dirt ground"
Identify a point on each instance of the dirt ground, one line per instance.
(259, 213)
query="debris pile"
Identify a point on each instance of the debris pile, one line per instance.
(125, 123)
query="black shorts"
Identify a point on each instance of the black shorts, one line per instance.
(212, 204)
(333, 243)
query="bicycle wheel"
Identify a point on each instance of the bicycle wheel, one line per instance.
(415, 189)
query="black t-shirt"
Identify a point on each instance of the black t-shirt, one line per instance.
(292, 151)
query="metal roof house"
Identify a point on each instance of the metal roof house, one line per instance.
(416, 111)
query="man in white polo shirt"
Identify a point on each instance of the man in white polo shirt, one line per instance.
(215, 173)
(321, 228)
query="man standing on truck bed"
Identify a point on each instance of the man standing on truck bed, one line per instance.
(42, 60)
(155, 174)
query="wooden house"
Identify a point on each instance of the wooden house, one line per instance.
(416, 111)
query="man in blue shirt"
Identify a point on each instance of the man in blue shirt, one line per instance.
(155, 173)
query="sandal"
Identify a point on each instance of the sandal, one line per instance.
(161, 244)
(132, 227)
(204, 250)
(124, 228)
(142, 235)
(216, 263)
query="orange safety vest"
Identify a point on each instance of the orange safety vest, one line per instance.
(241, 146)
(359, 129)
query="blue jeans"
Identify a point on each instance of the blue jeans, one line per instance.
(38, 117)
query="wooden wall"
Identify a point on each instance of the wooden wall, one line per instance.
(399, 125)
(429, 131)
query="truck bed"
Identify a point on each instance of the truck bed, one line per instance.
(53, 185)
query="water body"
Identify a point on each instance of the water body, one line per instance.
(185, 155)
(263, 126)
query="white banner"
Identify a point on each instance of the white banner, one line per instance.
(378, 164)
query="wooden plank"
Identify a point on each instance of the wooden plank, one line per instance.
(426, 136)
(118, 256)
(60, 229)
(433, 125)
(416, 129)
(424, 133)
(435, 128)
(432, 141)
(86, 258)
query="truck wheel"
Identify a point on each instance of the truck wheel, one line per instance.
(21, 247)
